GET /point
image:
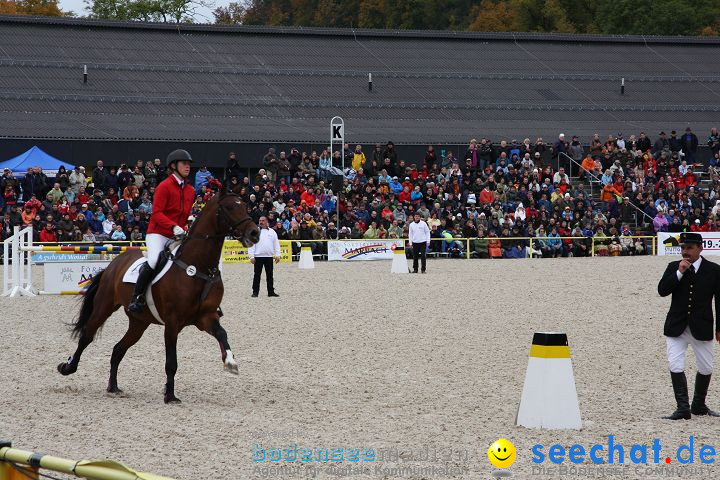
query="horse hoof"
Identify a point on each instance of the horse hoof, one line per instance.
(114, 390)
(65, 369)
(229, 363)
(172, 399)
(232, 368)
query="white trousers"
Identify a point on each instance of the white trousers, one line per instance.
(677, 346)
(155, 245)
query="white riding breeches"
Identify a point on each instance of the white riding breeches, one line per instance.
(155, 245)
(677, 346)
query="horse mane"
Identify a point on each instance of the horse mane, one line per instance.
(197, 220)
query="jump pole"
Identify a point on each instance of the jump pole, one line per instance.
(13, 459)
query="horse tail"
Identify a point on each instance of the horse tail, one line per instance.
(87, 305)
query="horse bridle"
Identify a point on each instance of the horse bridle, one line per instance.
(225, 217)
(221, 215)
(213, 274)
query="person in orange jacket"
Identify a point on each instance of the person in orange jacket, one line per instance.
(587, 165)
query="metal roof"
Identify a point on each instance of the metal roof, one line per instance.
(261, 84)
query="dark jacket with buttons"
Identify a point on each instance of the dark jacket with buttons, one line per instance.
(692, 298)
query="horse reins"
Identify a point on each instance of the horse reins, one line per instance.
(221, 215)
(213, 274)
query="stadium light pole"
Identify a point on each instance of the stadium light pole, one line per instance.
(337, 134)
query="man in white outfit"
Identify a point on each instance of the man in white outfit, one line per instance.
(262, 254)
(419, 234)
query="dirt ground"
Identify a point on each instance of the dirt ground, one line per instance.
(428, 367)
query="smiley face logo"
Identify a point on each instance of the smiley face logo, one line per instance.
(502, 453)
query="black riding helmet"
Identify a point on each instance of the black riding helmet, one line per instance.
(176, 156)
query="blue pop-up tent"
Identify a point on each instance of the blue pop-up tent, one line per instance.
(35, 157)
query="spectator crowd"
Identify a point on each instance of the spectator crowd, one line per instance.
(511, 198)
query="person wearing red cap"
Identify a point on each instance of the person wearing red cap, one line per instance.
(171, 208)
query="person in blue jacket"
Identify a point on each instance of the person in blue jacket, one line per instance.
(202, 177)
(396, 186)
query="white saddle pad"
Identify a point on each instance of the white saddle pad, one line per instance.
(131, 274)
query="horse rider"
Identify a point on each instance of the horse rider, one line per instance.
(172, 204)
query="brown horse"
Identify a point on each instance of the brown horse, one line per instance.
(182, 297)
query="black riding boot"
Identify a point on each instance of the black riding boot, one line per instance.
(679, 383)
(702, 382)
(145, 276)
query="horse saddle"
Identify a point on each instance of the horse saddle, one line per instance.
(132, 273)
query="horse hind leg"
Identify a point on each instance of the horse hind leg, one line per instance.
(70, 367)
(135, 331)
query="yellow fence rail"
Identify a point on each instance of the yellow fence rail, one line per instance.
(467, 240)
(21, 464)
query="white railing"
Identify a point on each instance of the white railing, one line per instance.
(595, 179)
(17, 265)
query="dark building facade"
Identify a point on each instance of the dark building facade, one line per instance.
(153, 88)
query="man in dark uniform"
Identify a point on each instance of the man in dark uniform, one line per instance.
(692, 281)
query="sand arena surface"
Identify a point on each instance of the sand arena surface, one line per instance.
(351, 356)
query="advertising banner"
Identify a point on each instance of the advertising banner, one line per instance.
(69, 277)
(234, 252)
(669, 243)
(46, 257)
(352, 250)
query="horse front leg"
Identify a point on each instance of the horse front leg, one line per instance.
(170, 365)
(228, 359)
(211, 324)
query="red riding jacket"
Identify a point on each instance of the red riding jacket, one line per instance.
(171, 206)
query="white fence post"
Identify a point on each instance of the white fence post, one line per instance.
(17, 268)
(27, 259)
(7, 279)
